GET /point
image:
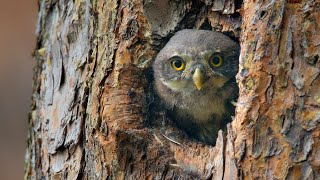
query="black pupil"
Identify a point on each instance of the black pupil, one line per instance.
(215, 60)
(177, 63)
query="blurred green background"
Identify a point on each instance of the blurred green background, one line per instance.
(17, 42)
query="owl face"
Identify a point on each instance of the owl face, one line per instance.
(196, 61)
(195, 78)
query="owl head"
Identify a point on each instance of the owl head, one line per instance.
(197, 60)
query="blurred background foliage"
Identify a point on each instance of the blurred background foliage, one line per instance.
(17, 42)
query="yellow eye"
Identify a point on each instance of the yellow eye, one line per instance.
(177, 64)
(215, 60)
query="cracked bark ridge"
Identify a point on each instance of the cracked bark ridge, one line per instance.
(279, 90)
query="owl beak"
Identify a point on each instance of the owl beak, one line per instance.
(198, 78)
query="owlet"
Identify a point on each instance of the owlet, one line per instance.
(195, 78)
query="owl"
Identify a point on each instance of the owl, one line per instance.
(194, 77)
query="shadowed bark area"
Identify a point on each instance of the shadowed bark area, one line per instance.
(94, 115)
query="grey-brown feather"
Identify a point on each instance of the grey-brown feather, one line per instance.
(199, 113)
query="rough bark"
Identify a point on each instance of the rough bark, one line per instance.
(93, 114)
(278, 113)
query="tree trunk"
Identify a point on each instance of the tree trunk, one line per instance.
(94, 115)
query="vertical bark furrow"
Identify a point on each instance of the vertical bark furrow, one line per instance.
(64, 46)
(284, 117)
